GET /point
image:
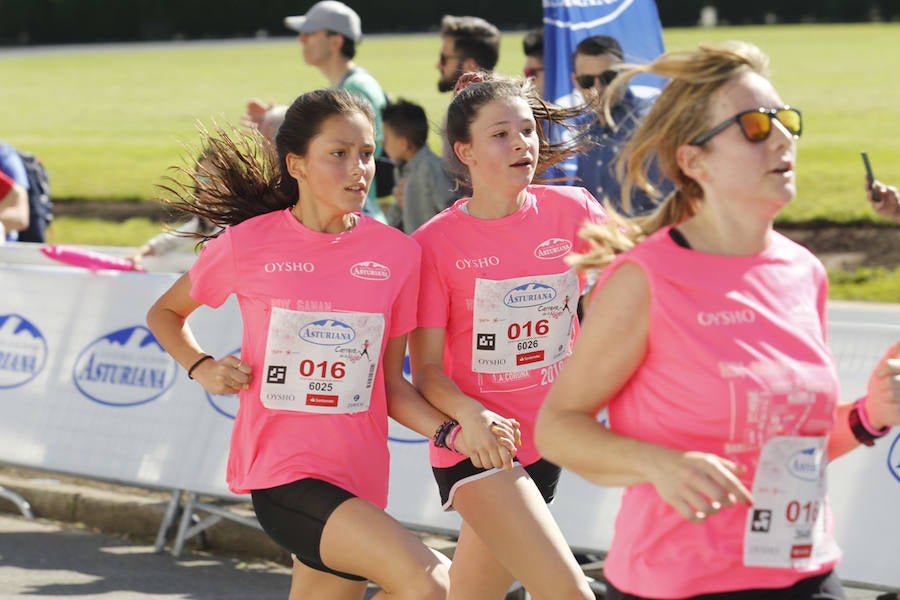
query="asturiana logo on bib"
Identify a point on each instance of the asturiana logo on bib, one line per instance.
(804, 464)
(726, 318)
(124, 368)
(552, 248)
(529, 294)
(23, 351)
(370, 270)
(327, 332)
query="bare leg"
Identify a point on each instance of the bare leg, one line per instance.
(308, 583)
(361, 538)
(514, 524)
(475, 573)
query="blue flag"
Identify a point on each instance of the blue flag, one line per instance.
(634, 23)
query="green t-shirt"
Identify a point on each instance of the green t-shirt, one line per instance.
(361, 82)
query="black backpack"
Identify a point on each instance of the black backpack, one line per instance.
(40, 207)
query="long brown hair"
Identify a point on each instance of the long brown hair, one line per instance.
(476, 89)
(247, 175)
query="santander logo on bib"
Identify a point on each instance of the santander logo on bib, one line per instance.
(370, 270)
(552, 248)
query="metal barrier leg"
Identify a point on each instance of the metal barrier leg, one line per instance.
(168, 519)
(187, 515)
(20, 502)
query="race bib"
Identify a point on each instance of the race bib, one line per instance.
(523, 323)
(786, 525)
(321, 362)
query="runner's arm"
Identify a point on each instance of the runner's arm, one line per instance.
(167, 319)
(487, 447)
(567, 431)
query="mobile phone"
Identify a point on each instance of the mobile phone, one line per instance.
(869, 176)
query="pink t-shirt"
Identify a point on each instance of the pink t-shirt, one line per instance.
(272, 262)
(524, 252)
(736, 356)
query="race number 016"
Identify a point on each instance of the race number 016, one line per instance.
(795, 511)
(336, 370)
(528, 328)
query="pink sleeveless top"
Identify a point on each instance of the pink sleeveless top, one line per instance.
(736, 355)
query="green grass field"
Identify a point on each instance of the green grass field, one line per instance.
(109, 121)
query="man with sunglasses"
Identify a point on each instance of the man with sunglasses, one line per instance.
(594, 64)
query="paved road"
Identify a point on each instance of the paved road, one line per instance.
(42, 559)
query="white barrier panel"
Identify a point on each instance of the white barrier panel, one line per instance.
(85, 389)
(864, 486)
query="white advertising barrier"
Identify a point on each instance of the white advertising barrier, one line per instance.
(864, 486)
(86, 389)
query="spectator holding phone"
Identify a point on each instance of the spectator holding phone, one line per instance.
(885, 199)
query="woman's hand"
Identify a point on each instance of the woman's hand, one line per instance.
(882, 404)
(885, 200)
(226, 376)
(697, 484)
(489, 440)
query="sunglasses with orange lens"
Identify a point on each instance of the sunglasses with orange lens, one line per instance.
(756, 124)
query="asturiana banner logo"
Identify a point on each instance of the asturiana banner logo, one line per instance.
(124, 368)
(23, 351)
(893, 459)
(529, 294)
(327, 332)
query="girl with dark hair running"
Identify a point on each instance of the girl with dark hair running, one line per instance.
(314, 278)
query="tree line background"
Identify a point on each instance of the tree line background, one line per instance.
(69, 21)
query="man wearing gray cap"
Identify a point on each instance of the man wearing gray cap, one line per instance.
(329, 33)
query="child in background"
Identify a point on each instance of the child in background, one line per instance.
(423, 187)
(188, 234)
